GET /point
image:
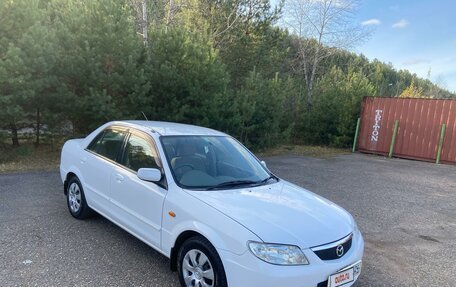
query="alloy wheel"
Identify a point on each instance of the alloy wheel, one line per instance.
(197, 269)
(74, 197)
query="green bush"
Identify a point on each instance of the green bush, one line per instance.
(332, 120)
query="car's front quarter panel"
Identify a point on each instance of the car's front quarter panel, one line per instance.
(191, 214)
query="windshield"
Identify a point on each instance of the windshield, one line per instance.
(210, 162)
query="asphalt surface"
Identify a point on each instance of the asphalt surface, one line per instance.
(405, 209)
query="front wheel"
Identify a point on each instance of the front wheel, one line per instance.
(199, 265)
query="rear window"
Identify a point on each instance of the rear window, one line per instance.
(108, 143)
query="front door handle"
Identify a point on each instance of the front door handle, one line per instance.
(119, 178)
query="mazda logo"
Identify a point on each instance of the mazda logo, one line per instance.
(339, 251)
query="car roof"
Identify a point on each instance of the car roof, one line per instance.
(172, 129)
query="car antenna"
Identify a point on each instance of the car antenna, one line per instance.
(144, 115)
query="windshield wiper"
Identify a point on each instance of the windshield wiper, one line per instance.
(232, 184)
(242, 182)
(267, 179)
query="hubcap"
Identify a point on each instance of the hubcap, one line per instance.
(197, 269)
(74, 197)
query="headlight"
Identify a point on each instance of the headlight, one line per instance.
(278, 254)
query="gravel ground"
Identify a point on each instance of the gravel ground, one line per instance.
(405, 209)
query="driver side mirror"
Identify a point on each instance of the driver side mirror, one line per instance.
(263, 163)
(150, 174)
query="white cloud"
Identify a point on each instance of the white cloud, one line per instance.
(416, 61)
(401, 24)
(371, 22)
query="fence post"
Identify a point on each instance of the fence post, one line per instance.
(393, 139)
(356, 135)
(439, 148)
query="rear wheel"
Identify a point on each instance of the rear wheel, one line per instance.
(77, 204)
(199, 265)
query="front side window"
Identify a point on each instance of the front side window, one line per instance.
(140, 153)
(108, 143)
(211, 162)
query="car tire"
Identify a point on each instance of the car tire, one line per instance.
(199, 262)
(77, 204)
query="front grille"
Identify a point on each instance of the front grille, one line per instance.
(323, 284)
(331, 252)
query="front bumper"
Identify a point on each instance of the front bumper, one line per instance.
(246, 270)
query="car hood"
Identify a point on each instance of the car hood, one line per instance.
(282, 213)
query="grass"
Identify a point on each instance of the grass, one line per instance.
(28, 158)
(305, 150)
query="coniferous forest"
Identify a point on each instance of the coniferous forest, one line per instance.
(234, 65)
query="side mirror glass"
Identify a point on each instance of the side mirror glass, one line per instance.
(149, 174)
(263, 163)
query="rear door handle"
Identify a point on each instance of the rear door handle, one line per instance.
(83, 160)
(119, 178)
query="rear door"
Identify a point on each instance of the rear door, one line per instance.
(138, 203)
(97, 165)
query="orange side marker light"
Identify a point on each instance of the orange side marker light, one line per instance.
(172, 214)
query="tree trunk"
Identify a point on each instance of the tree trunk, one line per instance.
(52, 141)
(14, 136)
(309, 87)
(38, 124)
(144, 21)
(309, 96)
(312, 77)
(169, 17)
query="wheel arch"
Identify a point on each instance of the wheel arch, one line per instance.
(72, 172)
(178, 243)
(68, 176)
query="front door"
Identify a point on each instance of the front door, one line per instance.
(139, 203)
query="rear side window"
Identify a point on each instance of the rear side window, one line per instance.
(108, 143)
(140, 153)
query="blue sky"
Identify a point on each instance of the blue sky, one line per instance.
(415, 35)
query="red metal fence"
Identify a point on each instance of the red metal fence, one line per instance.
(419, 127)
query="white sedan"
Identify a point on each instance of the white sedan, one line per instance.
(202, 199)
